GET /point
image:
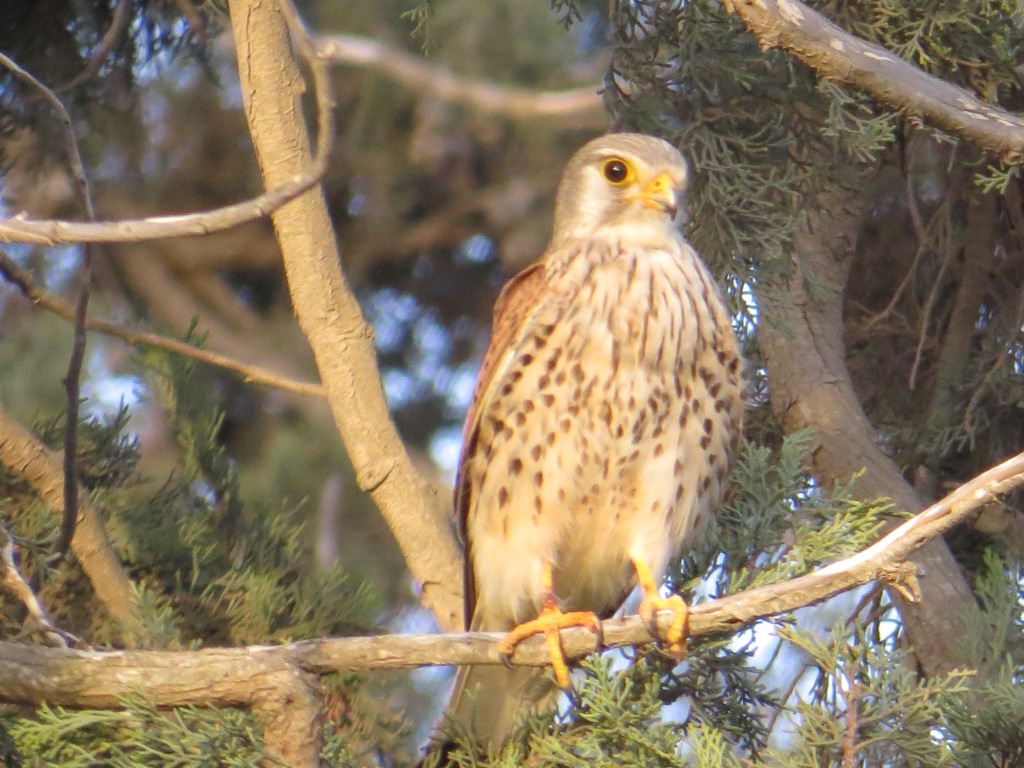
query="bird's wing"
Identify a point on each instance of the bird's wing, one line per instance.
(516, 303)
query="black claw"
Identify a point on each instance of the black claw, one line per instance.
(506, 660)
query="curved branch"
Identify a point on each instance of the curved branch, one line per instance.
(225, 676)
(837, 55)
(581, 106)
(289, 186)
(55, 232)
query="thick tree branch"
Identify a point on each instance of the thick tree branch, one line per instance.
(844, 58)
(801, 340)
(326, 309)
(580, 106)
(41, 468)
(235, 676)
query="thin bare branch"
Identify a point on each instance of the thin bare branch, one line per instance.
(224, 676)
(56, 232)
(19, 229)
(22, 278)
(844, 58)
(74, 156)
(16, 582)
(580, 106)
(73, 378)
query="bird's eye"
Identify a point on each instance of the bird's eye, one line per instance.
(616, 171)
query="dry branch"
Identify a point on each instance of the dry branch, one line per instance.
(21, 278)
(844, 58)
(579, 106)
(235, 676)
(55, 232)
(72, 380)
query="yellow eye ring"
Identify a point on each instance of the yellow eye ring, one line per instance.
(617, 172)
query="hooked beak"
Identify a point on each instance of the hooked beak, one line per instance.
(662, 194)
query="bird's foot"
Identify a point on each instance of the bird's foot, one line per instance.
(654, 602)
(675, 638)
(549, 622)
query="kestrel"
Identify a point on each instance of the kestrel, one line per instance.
(604, 420)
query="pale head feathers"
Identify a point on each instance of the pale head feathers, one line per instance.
(587, 200)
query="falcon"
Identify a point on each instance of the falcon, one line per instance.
(606, 414)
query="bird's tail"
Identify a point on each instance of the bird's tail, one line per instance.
(488, 702)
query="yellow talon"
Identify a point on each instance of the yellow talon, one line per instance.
(654, 602)
(549, 622)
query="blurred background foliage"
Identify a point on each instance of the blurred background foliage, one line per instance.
(234, 506)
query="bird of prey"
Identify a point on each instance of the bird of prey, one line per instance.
(605, 417)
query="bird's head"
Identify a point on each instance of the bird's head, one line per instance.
(623, 179)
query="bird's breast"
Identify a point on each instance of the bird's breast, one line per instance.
(599, 439)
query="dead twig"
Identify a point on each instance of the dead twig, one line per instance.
(72, 380)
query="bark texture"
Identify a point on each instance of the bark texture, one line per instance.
(801, 340)
(330, 318)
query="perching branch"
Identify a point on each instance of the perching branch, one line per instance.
(226, 676)
(844, 58)
(580, 106)
(22, 279)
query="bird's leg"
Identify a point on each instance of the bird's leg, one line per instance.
(549, 622)
(654, 602)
